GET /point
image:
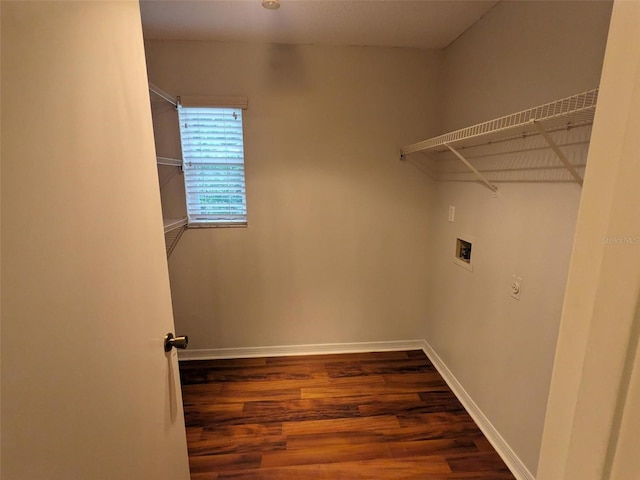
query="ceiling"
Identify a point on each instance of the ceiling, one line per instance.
(389, 23)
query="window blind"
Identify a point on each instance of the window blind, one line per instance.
(213, 163)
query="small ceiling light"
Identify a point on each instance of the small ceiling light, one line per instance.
(271, 4)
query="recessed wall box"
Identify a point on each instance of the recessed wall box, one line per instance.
(463, 253)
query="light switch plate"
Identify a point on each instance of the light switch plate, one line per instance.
(452, 213)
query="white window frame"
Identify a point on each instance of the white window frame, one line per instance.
(221, 151)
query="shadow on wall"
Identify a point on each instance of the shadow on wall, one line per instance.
(286, 70)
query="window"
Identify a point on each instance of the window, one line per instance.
(213, 163)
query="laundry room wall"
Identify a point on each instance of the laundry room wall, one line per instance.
(337, 244)
(519, 55)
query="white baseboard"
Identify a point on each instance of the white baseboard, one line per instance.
(519, 470)
(289, 350)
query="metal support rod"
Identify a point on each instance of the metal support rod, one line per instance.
(174, 171)
(162, 94)
(484, 180)
(559, 153)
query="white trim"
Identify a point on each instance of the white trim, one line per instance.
(289, 350)
(519, 470)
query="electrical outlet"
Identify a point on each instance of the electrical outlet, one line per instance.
(516, 287)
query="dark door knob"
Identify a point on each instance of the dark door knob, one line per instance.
(178, 342)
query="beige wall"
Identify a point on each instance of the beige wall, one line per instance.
(522, 54)
(499, 348)
(519, 55)
(337, 248)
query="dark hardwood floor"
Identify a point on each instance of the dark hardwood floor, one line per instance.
(351, 416)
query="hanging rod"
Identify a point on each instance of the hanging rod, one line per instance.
(162, 94)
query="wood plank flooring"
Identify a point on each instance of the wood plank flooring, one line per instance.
(386, 415)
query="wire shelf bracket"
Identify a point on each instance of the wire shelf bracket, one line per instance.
(481, 177)
(162, 94)
(164, 181)
(561, 156)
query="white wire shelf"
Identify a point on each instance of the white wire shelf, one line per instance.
(566, 113)
(545, 121)
(174, 224)
(173, 227)
(170, 162)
